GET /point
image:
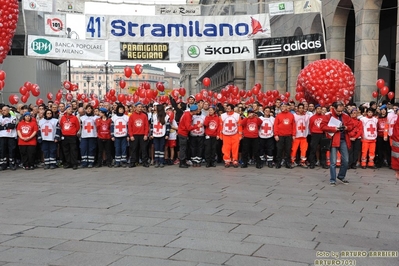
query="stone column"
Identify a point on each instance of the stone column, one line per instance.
(311, 58)
(260, 73)
(294, 67)
(250, 75)
(280, 75)
(239, 75)
(269, 74)
(366, 52)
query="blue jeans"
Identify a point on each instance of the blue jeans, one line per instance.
(344, 161)
(159, 150)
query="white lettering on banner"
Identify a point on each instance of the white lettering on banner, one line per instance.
(174, 28)
(178, 10)
(64, 48)
(218, 51)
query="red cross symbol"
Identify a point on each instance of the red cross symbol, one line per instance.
(158, 127)
(371, 129)
(266, 128)
(47, 130)
(120, 126)
(89, 127)
(230, 124)
(302, 127)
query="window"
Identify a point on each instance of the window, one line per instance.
(84, 84)
(99, 77)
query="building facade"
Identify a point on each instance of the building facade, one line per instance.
(361, 33)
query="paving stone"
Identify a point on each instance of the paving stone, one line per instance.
(132, 238)
(239, 260)
(290, 233)
(4, 238)
(138, 261)
(202, 225)
(87, 259)
(160, 230)
(151, 252)
(226, 246)
(9, 229)
(33, 242)
(92, 247)
(63, 233)
(213, 234)
(202, 256)
(31, 256)
(118, 227)
(78, 225)
(280, 241)
(292, 254)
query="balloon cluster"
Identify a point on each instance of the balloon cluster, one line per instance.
(138, 69)
(325, 81)
(26, 90)
(383, 90)
(69, 86)
(8, 24)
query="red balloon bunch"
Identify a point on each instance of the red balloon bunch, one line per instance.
(384, 90)
(8, 23)
(325, 81)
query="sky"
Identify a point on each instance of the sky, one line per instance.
(77, 22)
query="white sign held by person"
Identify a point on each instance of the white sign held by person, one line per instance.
(54, 24)
(65, 48)
(38, 5)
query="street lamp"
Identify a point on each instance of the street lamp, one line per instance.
(107, 68)
(99, 86)
(88, 78)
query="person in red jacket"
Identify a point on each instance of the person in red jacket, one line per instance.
(340, 140)
(395, 149)
(211, 124)
(70, 127)
(284, 134)
(184, 129)
(250, 127)
(138, 132)
(27, 130)
(317, 135)
(355, 136)
(104, 142)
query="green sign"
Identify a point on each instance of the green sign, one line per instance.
(41, 46)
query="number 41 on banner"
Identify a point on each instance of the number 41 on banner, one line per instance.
(95, 28)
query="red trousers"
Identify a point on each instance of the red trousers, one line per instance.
(230, 148)
(368, 146)
(301, 143)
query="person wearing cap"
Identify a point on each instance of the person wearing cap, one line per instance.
(49, 135)
(284, 133)
(266, 139)
(383, 147)
(8, 142)
(317, 135)
(250, 141)
(211, 124)
(70, 127)
(302, 130)
(27, 130)
(88, 137)
(104, 142)
(190, 102)
(230, 131)
(138, 127)
(185, 126)
(120, 136)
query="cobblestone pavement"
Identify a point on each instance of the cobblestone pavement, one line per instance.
(197, 216)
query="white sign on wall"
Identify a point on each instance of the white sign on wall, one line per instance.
(38, 5)
(184, 10)
(307, 6)
(281, 8)
(54, 24)
(65, 48)
(71, 6)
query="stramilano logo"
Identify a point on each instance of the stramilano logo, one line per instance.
(193, 51)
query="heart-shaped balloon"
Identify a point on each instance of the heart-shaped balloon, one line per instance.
(327, 81)
(8, 24)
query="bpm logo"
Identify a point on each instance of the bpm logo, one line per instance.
(193, 51)
(41, 46)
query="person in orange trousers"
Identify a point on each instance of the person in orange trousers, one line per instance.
(302, 131)
(369, 139)
(231, 134)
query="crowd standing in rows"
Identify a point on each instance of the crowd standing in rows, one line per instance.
(78, 135)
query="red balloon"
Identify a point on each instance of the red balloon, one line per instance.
(69, 97)
(2, 75)
(160, 86)
(147, 85)
(182, 91)
(275, 93)
(384, 90)
(121, 97)
(74, 87)
(380, 83)
(249, 94)
(138, 69)
(154, 93)
(255, 90)
(13, 99)
(206, 82)
(112, 92)
(391, 95)
(2, 84)
(198, 97)
(374, 94)
(39, 101)
(35, 90)
(175, 93)
(122, 83)
(24, 98)
(242, 93)
(268, 92)
(94, 103)
(67, 85)
(287, 94)
(49, 96)
(128, 71)
(23, 90)
(58, 96)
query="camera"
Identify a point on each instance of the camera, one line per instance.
(341, 128)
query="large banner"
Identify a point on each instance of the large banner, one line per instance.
(64, 48)
(178, 28)
(289, 46)
(218, 51)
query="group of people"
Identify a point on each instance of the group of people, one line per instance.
(78, 135)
